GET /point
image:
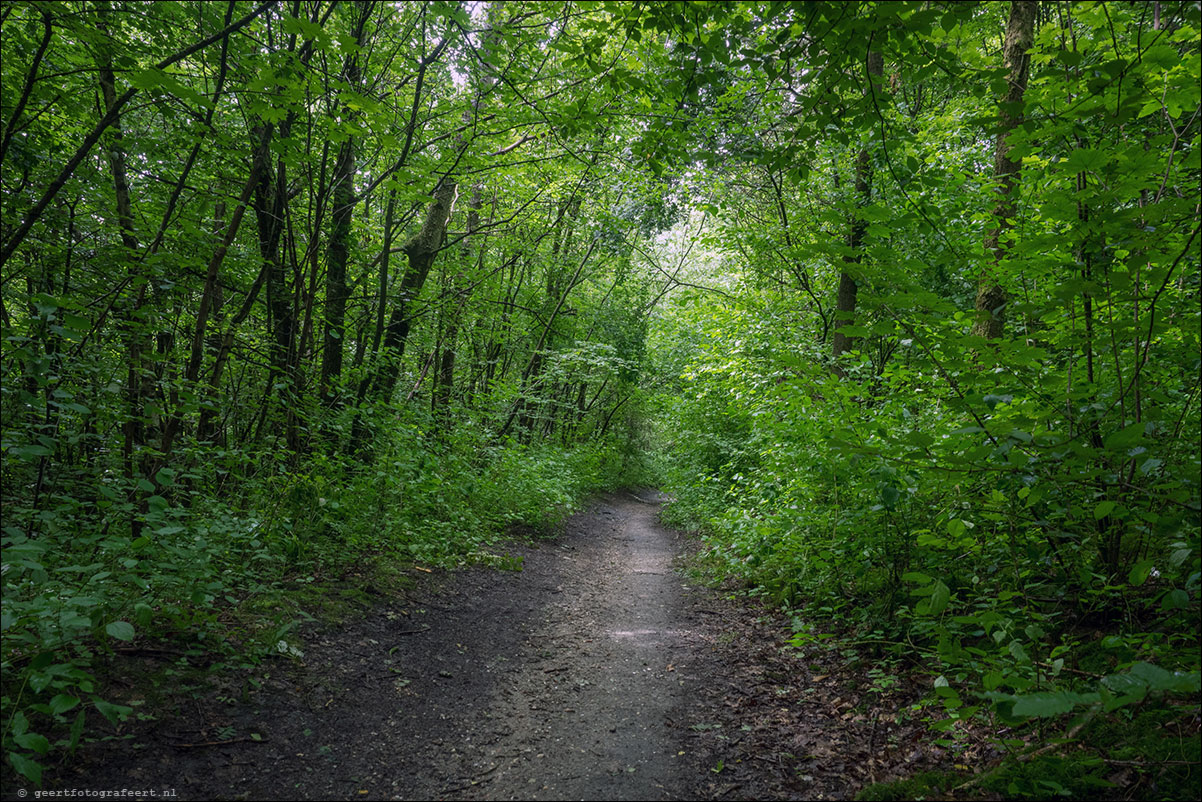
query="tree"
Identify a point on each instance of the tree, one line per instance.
(991, 296)
(845, 304)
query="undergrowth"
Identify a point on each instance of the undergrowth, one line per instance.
(230, 555)
(1052, 616)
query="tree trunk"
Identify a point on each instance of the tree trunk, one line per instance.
(531, 376)
(420, 251)
(358, 429)
(445, 377)
(337, 289)
(134, 426)
(991, 295)
(210, 304)
(845, 304)
(338, 253)
(271, 194)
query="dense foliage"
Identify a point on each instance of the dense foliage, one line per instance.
(904, 297)
(1008, 495)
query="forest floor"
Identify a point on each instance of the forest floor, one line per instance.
(600, 670)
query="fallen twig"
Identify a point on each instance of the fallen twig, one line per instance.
(128, 650)
(220, 743)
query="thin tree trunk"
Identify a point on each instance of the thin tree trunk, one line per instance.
(358, 428)
(444, 379)
(338, 253)
(337, 289)
(210, 304)
(420, 251)
(845, 304)
(134, 427)
(226, 345)
(991, 295)
(270, 196)
(531, 375)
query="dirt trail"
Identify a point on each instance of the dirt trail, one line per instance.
(589, 713)
(596, 672)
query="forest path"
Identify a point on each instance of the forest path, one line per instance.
(585, 711)
(596, 672)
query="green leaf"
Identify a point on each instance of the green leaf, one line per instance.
(992, 400)
(29, 769)
(939, 599)
(147, 79)
(1050, 703)
(1139, 573)
(1158, 679)
(40, 681)
(1087, 159)
(1125, 685)
(76, 731)
(42, 661)
(1144, 677)
(1102, 510)
(34, 742)
(30, 452)
(77, 323)
(114, 713)
(854, 331)
(62, 702)
(1175, 599)
(121, 630)
(307, 29)
(1125, 438)
(943, 689)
